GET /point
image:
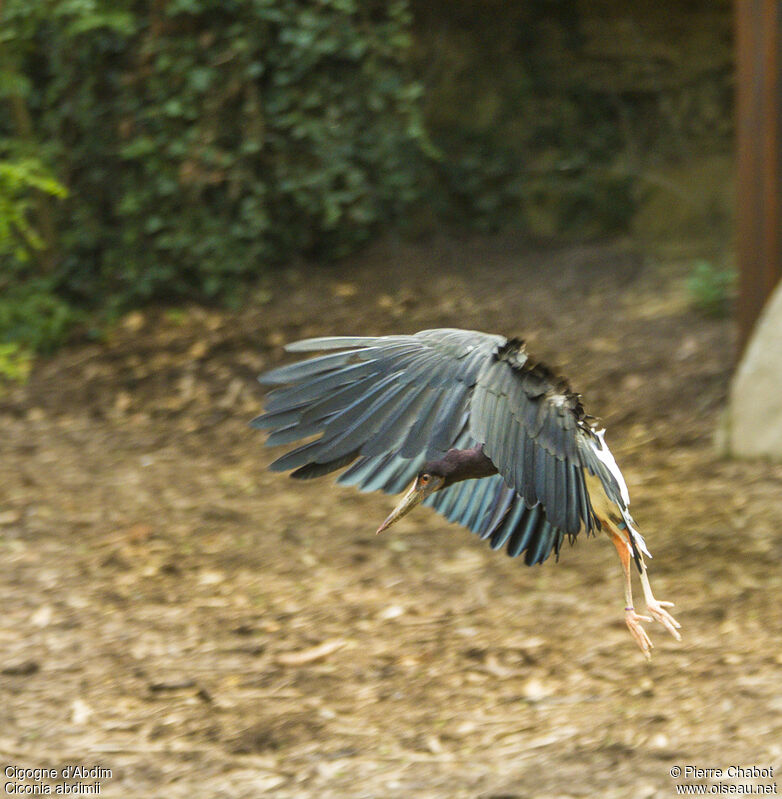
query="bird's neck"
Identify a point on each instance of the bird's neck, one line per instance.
(462, 464)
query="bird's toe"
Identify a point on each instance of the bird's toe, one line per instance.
(660, 614)
(641, 637)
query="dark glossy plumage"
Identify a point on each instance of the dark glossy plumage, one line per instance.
(383, 406)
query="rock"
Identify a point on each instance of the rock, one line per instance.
(754, 419)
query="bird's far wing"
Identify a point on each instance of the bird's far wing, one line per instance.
(533, 428)
(487, 506)
(497, 513)
(394, 400)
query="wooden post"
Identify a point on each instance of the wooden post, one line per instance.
(759, 134)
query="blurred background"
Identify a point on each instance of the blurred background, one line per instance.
(170, 151)
(185, 186)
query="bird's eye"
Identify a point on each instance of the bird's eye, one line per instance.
(425, 478)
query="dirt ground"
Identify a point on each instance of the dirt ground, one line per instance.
(173, 612)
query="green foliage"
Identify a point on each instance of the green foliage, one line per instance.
(15, 363)
(19, 180)
(33, 314)
(201, 141)
(30, 311)
(711, 288)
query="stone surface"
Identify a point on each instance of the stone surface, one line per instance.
(755, 411)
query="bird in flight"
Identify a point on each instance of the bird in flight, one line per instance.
(488, 437)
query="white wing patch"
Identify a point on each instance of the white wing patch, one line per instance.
(607, 459)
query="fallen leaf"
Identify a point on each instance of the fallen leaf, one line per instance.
(535, 690)
(134, 321)
(80, 712)
(385, 301)
(391, 612)
(9, 517)
(318, 652)
(345, 290)
(42, 617)
(122, 402)
(23, 669)
(138, 533)
(494, 667)
(171, 685)
(198, 350)
(211, 578)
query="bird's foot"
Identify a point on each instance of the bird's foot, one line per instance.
(633, 621)
(659, 613)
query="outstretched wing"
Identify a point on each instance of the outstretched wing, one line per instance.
(387, 404)
(404, 395)
(487, 507)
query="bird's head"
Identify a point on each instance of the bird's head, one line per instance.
(425, 484)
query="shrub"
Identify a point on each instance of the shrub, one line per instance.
(711, 288)
(202, 141)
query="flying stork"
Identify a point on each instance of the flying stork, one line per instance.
(487, 436)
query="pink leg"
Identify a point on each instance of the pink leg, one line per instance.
(658, 608)
(632, 619)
